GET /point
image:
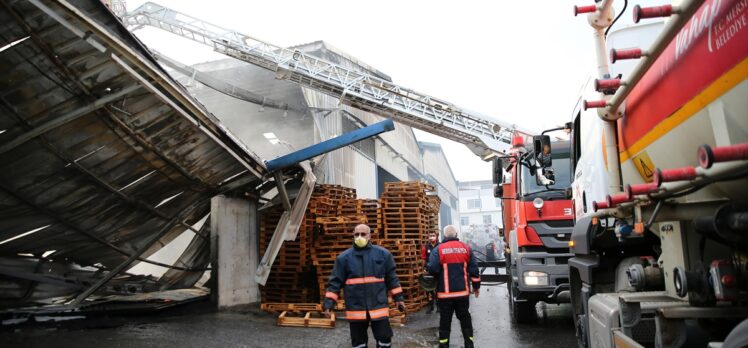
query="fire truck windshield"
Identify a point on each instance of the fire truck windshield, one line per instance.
(562, 172)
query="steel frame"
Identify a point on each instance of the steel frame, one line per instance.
(357, 89)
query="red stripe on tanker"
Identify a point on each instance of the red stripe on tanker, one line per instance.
(715, 40)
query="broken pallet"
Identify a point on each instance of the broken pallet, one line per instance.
(306, 320)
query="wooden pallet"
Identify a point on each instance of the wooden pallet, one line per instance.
(291, 307)
(308, 319)
(400, 221)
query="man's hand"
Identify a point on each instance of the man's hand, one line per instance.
(326, 313)
(400, 306)
(476, 292)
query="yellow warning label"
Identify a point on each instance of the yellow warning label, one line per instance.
(644, 165)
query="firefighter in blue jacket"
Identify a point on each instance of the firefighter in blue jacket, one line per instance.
(368, 273)
(452, 263)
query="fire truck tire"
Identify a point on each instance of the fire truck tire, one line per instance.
(523, 312)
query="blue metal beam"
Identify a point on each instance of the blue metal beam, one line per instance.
(329, 145)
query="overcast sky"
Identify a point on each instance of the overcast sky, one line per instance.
(521, 62)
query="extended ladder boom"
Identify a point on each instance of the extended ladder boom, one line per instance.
(357, 89)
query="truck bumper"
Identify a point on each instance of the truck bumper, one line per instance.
(542, 276)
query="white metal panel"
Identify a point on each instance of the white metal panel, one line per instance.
(390, 162)
(365, 176)
(436, 165)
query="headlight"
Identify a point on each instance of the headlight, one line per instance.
(537, 203)
(533, 278)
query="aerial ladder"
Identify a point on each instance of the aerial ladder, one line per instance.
(485, 138)
(360, 90)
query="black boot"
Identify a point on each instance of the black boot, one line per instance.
(444, 344)
(469, 342)
(431, 307)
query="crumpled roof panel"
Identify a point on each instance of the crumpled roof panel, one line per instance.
(98, 143)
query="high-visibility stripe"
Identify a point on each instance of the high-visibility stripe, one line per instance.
(452, 294)
(446, 340)
(331, 295)
(445, 270)
(373, 314)
(379, 313)
(396, 290)
(475, 279)
(363, 280)
(383, 344)
(464, 273)
(363, 345)
(355, 315)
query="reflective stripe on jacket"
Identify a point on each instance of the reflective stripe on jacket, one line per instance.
(368, 276)
(454, 266)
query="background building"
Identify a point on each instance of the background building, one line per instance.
(480, 211)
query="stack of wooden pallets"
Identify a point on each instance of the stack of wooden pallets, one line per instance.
(334, 235)
(293, 278)
(409, 267)
(410, 210)
(405, 208)
(432, 214)
(291, 275)
(370, 208)
(400, 221)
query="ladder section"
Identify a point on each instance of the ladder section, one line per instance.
(357, 89)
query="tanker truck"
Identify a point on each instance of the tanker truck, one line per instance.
(659, 156)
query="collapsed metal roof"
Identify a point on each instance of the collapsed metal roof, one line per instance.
(102, 154)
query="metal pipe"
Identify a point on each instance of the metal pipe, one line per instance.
(668, 189)
(329, 145)
(678, 20)
(600, 20)
(282, 190)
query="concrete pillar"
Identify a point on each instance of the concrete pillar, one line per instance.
(234, 251)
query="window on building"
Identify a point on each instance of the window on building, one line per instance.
(464, 221)
(473, 203)
(487, 219)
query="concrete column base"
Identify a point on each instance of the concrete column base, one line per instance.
(234, 251)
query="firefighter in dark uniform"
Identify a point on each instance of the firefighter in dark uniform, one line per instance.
(425, 253)
(453, 264)
(368, 274)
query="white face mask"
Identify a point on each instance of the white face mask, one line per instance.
(433, 239)
(360, 241)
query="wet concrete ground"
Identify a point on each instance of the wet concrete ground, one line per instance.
(195, 325)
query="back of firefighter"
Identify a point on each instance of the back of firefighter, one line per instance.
(425, 253)
(367, 272)
(454, 266)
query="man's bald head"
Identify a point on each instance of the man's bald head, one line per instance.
(450, 231)
(362, 230)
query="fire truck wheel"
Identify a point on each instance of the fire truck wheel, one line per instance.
(523, 312)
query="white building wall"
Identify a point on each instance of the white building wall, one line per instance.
(472, 217)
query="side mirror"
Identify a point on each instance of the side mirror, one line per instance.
(542, 147)
(498, 171)
(498, 190)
